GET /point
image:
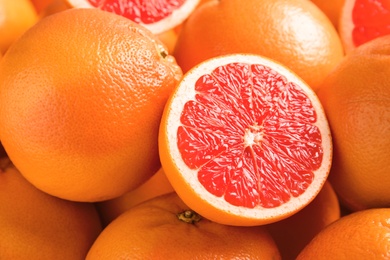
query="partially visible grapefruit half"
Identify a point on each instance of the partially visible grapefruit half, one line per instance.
(362, 21)
(244, 141)
(156, 15)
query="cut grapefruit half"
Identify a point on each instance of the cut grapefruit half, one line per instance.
(244, 141)
(156, 15)
(362, 21)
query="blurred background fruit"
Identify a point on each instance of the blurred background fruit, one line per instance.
(332, 9)
(292, 234)
(35, 225)
(53, 7)
(157, 185)
(362, 21)
(295, 33)
(40, 5)
(356, 98)
(82, 94)
(157, 229)
(360, 235)
(16, 16)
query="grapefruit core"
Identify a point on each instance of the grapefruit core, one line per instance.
(158, 15)
(244, 141)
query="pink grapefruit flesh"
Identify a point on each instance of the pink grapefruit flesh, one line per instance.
(362, 21)
(145, 12)
(371, 19)
(156, 15)
(249, 135)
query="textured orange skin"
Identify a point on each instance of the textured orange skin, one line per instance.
(16, 16)
(157, 185)
(295, 33)
(356, 99)
(79, 117)
(360, 235)
(294, 233)
(152, 230)
(35, 225)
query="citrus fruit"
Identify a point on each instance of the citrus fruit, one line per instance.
(54, 7)
(16, 17)
(332, 9)
(35, 225)
(80, 116)
(244, 141)
(362, 21)
(157, 185)
(41, 5)
(165, 228)
(360, 235)
(356, 98)
(295, 33)
(169, 38)
(292, 234)
(162, 18)
(157, 16)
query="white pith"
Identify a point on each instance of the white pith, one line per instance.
(346, 25)
(177, 17)
(253, 135)
(186, 92)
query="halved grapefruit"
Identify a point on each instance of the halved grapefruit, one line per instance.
(362, 21)
(244, 141)
(157, 15)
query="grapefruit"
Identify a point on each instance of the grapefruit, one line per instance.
(295, 33)
(157, 16)
(360, 235)
(356, 98)
(16, 17)
(362, 21)
(82, 94)
(165, 228)
(244, 141)
(35, 225)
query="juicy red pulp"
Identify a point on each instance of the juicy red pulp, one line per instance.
(251, 136)
(371, 19)
(140, 11)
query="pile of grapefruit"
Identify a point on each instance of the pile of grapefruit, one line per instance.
(198, 129)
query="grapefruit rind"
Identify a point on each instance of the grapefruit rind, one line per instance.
(177, 17)
(346, 26)
(357, 24)
(184, 180)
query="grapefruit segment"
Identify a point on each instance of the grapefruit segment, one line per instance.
(362, 21)
(156, 15)
(244, 141)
